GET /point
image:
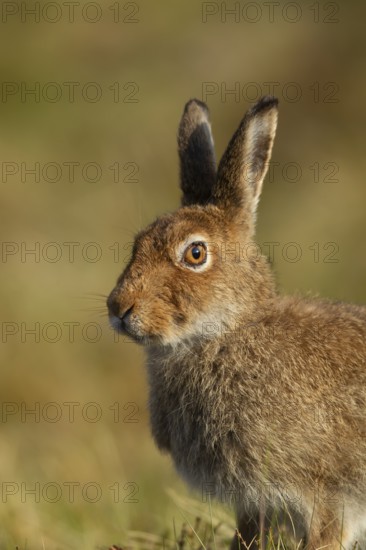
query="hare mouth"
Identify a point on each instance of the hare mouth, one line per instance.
(131, 332)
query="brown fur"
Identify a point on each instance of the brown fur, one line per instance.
(260, 399)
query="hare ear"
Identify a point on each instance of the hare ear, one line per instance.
(245, 162)
(196, 154)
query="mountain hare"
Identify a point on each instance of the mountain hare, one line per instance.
(259, 398)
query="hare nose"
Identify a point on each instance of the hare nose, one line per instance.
(115, 307)
(125, 317)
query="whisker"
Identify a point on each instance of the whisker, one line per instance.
(94, 296)
(94, 310)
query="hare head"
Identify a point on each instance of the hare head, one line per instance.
(199, 263)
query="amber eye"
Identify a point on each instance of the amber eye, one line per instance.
(195, 254)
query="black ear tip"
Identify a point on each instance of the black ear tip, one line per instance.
(266, 103)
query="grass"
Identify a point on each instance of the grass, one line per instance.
(207, 526)
(210, 526)
(194, 525)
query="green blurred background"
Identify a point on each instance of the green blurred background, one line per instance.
(145, 60)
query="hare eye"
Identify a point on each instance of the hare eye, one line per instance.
(195, 254)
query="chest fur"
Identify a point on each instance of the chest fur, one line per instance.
(192, 418)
